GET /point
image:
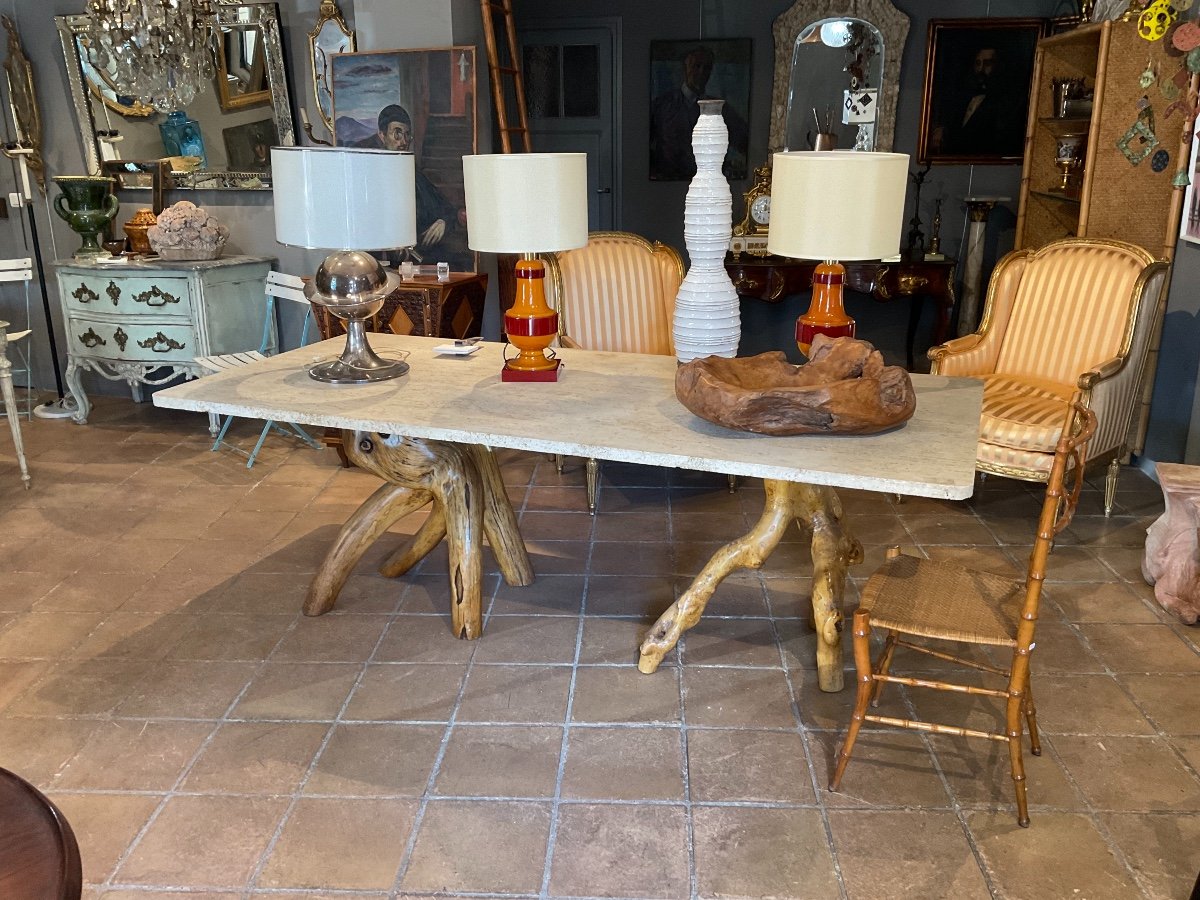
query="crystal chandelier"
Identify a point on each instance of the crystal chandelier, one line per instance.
(159, 51)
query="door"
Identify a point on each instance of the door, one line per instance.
(571, 96)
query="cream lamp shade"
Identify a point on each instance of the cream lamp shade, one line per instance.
(344, 198)
(526, 202)
(837, 204)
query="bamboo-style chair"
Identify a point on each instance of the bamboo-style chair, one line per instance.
(946, 602)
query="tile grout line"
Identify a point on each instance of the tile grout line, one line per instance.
(298, 791)
(187, 769)
(447, 733)
(689, 812)
(565, 740)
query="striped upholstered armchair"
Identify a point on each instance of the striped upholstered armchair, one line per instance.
(1076, 314)
(617, 293)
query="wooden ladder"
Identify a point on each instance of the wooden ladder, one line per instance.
(510, 69)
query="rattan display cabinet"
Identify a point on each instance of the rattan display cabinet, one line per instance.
(1109, 196)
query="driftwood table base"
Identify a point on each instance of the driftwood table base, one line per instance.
(814, 508)
(469, 502)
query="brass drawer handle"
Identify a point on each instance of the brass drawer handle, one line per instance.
(910, 284)
(90, 339)
(114, 292)
(169, 344)
(121, 338)
(84, 294)
(155, 293)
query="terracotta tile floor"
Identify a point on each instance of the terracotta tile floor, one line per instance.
(159, 683)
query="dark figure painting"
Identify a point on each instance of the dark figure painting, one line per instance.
(422, 102)
(682, 73)
(977, 80)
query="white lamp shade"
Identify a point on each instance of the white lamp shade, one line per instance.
(526, 202)
(344, 198)
(837, 204)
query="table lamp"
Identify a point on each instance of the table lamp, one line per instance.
(835, 205)
(351, 201)
(527, 203)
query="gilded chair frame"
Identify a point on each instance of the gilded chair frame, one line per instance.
(1114, 441)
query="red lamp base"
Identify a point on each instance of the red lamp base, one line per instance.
(806, 331)
(550, 374)
(825, 315)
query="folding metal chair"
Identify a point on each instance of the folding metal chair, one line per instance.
(283, 287)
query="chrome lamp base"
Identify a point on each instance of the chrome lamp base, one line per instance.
(358, 364)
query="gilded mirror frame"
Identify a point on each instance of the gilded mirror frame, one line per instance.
(328, 15)
(263, 15)
(892, 25)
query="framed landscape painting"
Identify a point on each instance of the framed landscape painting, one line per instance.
(422, 101)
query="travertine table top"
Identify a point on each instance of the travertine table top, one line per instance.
(614, 406)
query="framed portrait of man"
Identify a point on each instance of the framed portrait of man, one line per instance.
(978, 74)
(682, 73)
(422, 101)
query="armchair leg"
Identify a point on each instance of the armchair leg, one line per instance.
(1110, 485)
(593, 483)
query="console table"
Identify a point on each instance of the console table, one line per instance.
(771, 278)
(145, 322)
(425, 433)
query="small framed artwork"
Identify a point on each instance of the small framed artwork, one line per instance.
(422, 101)
(978, 74)
(681, 74)
(1189, 226)
(248, 146)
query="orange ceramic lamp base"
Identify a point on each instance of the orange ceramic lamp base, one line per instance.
(531, 324)
(825, 314)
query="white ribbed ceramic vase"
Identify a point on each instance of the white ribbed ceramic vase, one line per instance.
(708, 319)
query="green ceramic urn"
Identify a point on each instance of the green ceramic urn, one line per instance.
(88, 205)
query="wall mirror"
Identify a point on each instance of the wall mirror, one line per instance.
(824, 48)
(246, 111)
(330, 35)
(241, 66)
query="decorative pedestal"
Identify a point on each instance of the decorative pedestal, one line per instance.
(977, 210)
(707, 319)
(1172, 560)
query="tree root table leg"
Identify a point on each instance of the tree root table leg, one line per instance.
(464, 485)
(816, 509)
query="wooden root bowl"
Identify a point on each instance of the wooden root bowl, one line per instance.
(844, 389)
